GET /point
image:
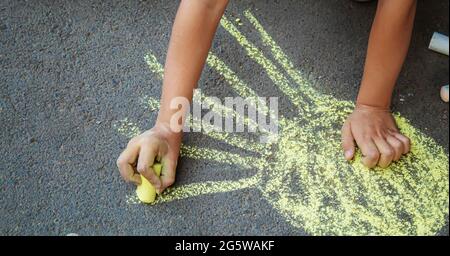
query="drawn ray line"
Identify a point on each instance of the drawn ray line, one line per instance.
(245, 162)
(241, 88)
(206, 188)
(154, 66)
(230, 112)
(228, 138)
(279, 55)
(272, 71)
(157, 68)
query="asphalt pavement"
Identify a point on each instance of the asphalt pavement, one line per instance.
(71, 72)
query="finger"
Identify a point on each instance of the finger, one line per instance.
(348, 142)
(146, 159)
(167, 174)
(125, 164)
(397, 145)
(370, 152)
(386, 152)
(135, 178)
(405, 140)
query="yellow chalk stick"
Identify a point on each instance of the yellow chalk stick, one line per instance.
(146, 192)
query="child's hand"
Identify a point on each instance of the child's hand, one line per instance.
(157, 144)
(376, 134)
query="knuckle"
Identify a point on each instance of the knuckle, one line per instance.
(146, 140)
(149, 140)
(402, 138)
(380, 135)
(368, 136)
(141, 168)
(373, 155)
(388, 152)
(407, 141)
(120, 162)
(398, 146)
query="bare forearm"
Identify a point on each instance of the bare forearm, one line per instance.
(192, 34)
(388, 45)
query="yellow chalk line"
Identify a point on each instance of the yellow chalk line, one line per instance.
(158, 69)
(229, 138)
(245, 162)
(241, 88)
(206, 188)
(154, 66)
(320, 100)
(272, 71)
(279, 55)
(127, 128)
(236, 116)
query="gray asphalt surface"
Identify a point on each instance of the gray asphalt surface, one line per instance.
(70, 69)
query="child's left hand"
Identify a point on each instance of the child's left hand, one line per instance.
(376, 134)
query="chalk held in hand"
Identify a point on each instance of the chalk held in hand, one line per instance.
(444, 93)
(439, 43)
(146, 192)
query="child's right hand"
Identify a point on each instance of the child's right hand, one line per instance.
(157, 144)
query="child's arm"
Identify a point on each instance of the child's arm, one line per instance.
(371, 124)
(192, 35)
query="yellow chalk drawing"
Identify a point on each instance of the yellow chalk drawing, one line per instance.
(303, 175)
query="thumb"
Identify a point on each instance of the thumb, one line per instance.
(348, 142)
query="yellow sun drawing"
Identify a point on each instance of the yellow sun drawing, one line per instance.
(318, 192)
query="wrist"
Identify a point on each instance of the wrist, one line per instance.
(375, 94)
(164, 129)
(371, 108)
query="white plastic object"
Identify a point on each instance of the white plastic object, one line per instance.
(439, 43)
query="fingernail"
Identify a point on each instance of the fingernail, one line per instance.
(349, 154)
(444, 93)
